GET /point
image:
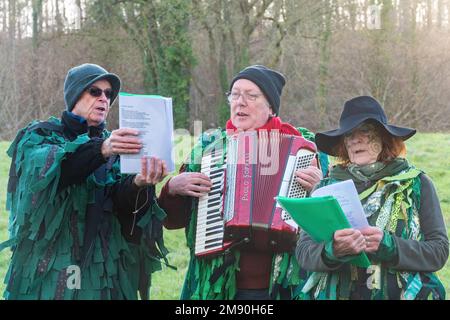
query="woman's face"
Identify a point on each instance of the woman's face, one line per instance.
(363, 144)
(248, 106)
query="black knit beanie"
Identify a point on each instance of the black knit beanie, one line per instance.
(270, 82)
(81, 77)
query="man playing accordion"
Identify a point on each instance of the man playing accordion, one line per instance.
(241, 271)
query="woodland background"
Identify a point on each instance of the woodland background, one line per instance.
(329, 50)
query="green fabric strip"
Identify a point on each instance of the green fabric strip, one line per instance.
(393, 199)
(285, 269)
(47, 227)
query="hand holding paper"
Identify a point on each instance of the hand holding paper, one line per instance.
(122, 141)
(348, 242)
(373, 237)
(152, 117)
(153, 171)
(321, 217)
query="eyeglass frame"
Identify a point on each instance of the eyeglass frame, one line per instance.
(246, 96)
(108, 92)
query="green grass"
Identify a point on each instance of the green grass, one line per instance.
(5, 254)
(429, 152)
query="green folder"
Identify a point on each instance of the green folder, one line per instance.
(320, 217)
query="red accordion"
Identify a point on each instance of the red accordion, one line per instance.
(241, 205)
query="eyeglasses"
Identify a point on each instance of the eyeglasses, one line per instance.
(97, 92)
(234, 96)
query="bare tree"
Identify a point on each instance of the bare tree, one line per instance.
(37, 29)
(58, 18)
(79, 21)
(3, 15)
(231, 30)
(325, 49)
(322, 94)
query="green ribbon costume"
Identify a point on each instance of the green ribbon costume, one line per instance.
(47, 226)
(392, 204)
(197, 286)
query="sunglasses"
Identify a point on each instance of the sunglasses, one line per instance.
(97, 92)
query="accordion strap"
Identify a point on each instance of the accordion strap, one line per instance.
(228, 260)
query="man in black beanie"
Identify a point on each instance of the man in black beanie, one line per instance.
(76, 221)
(270, 82)
(244, 273)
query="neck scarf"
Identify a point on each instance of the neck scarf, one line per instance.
(73, 127)
(370, 172)
(274, 123)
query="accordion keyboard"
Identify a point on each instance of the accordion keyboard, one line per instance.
(209, 232)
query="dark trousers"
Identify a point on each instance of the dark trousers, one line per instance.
(252, 294)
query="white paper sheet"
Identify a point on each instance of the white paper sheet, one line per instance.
(152, 116)
(347, 196)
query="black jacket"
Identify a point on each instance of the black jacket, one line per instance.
(125, 196)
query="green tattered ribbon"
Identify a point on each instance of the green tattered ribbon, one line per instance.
(410, 174)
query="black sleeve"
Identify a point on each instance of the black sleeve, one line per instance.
(127, 196)
(131, 203)
(431, 253)
(81, 163)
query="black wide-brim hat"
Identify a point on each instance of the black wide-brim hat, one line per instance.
(356, 111)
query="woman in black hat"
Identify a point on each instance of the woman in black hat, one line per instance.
(254, 100)
(406, 241)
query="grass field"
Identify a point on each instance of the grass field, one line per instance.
(430, 152)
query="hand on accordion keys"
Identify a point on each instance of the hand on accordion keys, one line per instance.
(193, 184)
(310, 176)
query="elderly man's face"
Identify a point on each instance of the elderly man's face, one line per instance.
(94, 109)
(248, 107)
